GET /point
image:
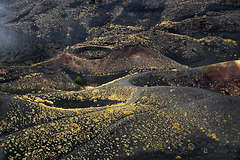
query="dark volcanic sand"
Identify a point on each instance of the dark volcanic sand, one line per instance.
(161, 79)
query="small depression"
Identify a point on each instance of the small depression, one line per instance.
(68, 104)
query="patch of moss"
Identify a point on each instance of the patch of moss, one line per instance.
(78, 81)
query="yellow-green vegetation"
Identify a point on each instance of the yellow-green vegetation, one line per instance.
(145, 119)
(165, 25)
(60, 137)
(113, 34)
(27, 79)
(141, 111)
(113, 29)
(212, 40)
(78, 81)
(41, 108)
(40, 81)
(115, 41)
(230, 41)
(87, 12)
(168, 123)
(65, 128)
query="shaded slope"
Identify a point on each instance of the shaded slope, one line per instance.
(221, 77)
(181, 48)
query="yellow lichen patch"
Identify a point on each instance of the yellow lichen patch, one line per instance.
(95, 91)
(202, 129)
(27, 76)
(207, 40)
(160, 146)
(214, 136)
(43, 105)
(110, 110)
(93, 29)
(127, 112)
(230, 41)
(79, 113)
(79, 97)
(95, 120)
(166, 24)
(176, 125)
(217, 39)
(39, 100)
(74, 124)
(49, 102)
(106, 115)
(32, 75)
(86, 12)
(69, 28)
(68, 35)
(89, 87)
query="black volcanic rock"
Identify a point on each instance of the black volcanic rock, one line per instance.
(140, 98)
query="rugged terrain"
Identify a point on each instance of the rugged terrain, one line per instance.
(161, 79)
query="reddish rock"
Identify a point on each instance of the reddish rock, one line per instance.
(223, 77)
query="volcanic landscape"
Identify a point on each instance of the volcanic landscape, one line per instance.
(120, 79)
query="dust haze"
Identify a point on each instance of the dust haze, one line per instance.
(8, 37)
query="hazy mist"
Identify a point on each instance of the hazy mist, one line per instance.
(7, 36)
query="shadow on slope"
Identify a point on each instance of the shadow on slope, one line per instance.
(67, 104)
